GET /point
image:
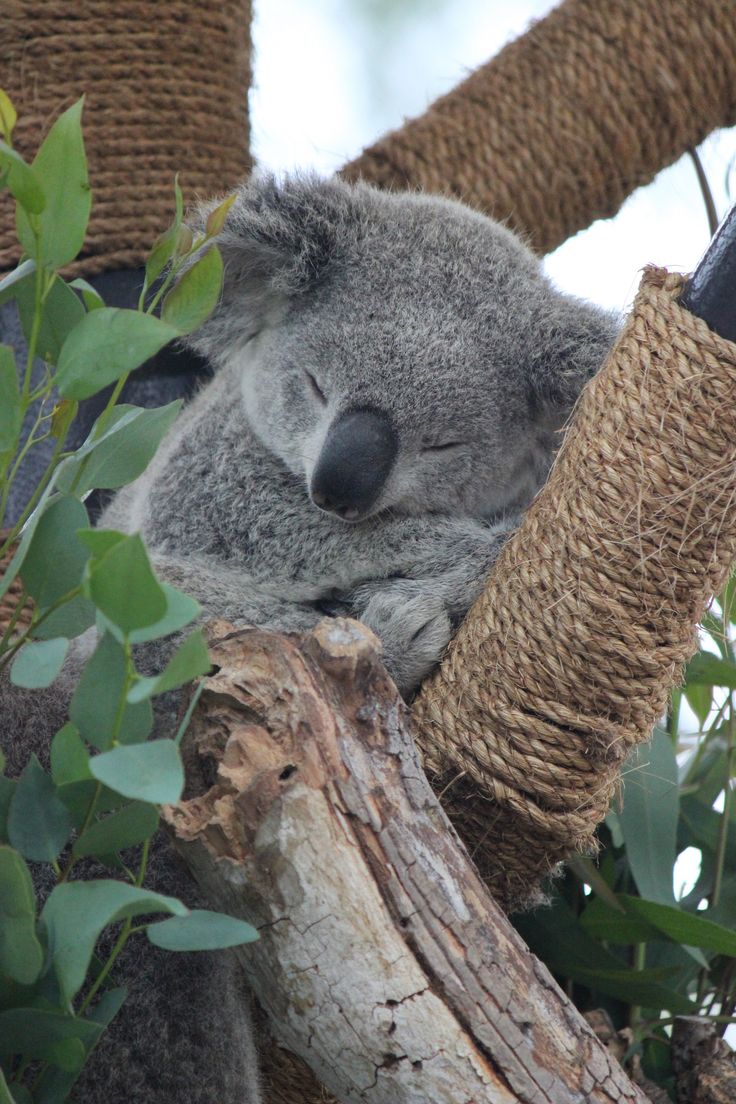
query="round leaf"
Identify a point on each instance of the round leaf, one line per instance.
(37, 665)
(151, 772)
(201, 930)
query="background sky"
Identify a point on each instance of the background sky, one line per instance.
(333, 75)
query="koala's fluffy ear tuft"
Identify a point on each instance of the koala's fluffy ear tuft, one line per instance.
(571, 340)
(279, 240)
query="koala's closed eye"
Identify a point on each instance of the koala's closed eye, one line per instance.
(315, 388)
(442, 446)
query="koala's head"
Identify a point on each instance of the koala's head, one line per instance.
(397, 351)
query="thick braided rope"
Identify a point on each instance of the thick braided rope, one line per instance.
(566, 660)
(166, 89)
(562, 125)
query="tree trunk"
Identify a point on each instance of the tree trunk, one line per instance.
(383, 962)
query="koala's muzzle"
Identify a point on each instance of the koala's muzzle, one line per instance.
(356, 458)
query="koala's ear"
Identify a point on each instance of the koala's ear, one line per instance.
(571, 340)
(278, 241)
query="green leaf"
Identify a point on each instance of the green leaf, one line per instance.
(38, 821)
(61, 168)
(161, 253)
(78, 797)
(69, 757)
(201, 930)
(62, 311)
(105, 345)
(46, 1034)
(21, 954)
(616, 926)
(100, 541)
(649, 817)
(9, 284)
(181, 610)
(11, 411)
(216, 218)
(22, 180)
(76, 913)
(708, 670)
(71, 619)
(5, 1097)
(127, 451)
(7, 789)
(54, 562)
(124, 587)
(195, 296)
(560, 940)
(682, 927)
(151, 772)
(90, 295)
(37, 665)
(8, 115)
(128, 827)
(188, 661)
(699, 698)
(95, 703)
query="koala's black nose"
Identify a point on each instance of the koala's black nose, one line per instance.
(356, 458)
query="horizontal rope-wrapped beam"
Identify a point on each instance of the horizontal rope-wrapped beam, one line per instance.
(590, 613)
(166, 89)
(567, 120)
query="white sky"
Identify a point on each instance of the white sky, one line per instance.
(330, 78)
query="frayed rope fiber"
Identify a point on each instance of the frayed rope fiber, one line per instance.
(567, 120)
(166, 89)
(566, 661)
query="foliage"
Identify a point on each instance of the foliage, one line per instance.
(620, 934)
(106, 777)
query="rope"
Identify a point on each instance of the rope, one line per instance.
(566, 660)
(566, 121)
(166, 89)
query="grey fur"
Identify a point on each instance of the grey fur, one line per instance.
(411, 306)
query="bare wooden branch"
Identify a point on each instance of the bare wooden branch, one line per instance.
(383, 962)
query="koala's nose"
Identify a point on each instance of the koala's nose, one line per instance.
(356, 458)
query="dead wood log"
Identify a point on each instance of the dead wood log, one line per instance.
(383, 962)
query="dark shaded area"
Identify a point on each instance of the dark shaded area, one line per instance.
(711, 291)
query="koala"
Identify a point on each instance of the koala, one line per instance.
(391, 373)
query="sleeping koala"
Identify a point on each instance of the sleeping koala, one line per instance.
(392, 370)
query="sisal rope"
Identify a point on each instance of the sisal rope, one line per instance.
(166, 89)
(567, 659)
(567, 120)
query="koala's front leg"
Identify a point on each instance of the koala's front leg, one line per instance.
(416, 611)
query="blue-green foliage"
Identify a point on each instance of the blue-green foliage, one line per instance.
(106, 780)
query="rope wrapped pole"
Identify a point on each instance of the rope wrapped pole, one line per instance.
(590, 614)
(567, 120)
(166, 89)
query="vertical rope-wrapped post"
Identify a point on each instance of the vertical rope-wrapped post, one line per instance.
(166, 91)
(567, 659)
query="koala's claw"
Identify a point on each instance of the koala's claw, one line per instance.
(414, 632)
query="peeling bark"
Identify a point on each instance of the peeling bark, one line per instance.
(383, 962)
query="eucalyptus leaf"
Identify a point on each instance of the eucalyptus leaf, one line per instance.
(38, 821)
(151, 772)
(76, 913)
(192, 300)
(22, 180)
(95, 704)
(70, 619)
(21, 954)
(9, 284)
(37, 664)
(7, 789)
(69, 757)
(55, 560)
(709, 670)
(8, 115)
(11, 411)
(90, 295)
(106, 345)
(188, 661)
(649, 817)
(44, 1033)
(127, 827)
(181, 610)
(124, 587)
(127, 451)
(61, 312)
(683, 927)
(61, 168)
(201, 930)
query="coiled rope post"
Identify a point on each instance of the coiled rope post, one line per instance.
(567, 659)
(166, 89)
(567, 120)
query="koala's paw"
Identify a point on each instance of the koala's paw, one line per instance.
(414, 629)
